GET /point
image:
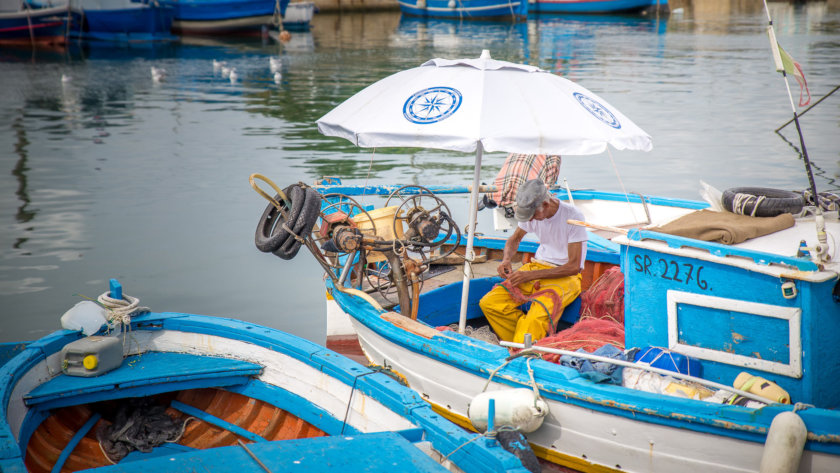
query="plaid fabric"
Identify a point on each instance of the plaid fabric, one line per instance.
(519, 168)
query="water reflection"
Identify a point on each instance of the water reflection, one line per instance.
(110, 174)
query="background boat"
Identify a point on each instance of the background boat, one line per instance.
(298, 16)
(225, 16)
(465, 9)
(598, 6)
(22, 23)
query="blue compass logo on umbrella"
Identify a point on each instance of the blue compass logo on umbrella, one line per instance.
(599, 111)
(431, 105)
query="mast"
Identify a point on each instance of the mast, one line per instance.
(821, 250)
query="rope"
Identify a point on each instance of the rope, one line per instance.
(121, 310)
(741, 201)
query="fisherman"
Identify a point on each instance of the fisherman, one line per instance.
(551, 280)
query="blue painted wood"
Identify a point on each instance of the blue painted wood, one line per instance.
(116, 289)
(71, 445)
(209, 418)
(384, 451)
(646, 319)
(145, 373)
(719, 249)
(10, 350)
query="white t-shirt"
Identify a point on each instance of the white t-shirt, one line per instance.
(555, 234)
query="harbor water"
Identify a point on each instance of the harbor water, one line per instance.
(106, 173)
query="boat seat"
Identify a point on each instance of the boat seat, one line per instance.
(143, 375)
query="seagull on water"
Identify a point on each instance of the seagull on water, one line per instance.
(278, 77)
(217, 65)
(158, 74)
(274, 64)
(233, 75)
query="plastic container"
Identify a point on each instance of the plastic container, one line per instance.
(86, 316)
(761, 387)
(91, 356)
(668, 360)
(381, 221)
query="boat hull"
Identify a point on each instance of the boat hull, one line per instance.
(225, 16)
(137, 23)
(39, 26)
(590, 427)
(465, 9)
(240, 381)
(596, 6)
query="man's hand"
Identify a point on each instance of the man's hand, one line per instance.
(504, 269)
(519, 277)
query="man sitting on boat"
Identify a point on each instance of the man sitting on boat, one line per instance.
(551, 280)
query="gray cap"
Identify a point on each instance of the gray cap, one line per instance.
(528, 197)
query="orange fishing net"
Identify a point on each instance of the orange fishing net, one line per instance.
(601, 321)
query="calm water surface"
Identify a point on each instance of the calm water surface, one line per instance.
(110, 175)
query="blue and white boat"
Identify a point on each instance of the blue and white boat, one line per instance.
(225, 16)
(741, 312)
(598, 6)
(465, 9)
(179, 392)
(122, 21)
(25, 24)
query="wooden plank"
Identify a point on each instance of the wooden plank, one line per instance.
(410, 325)
(142, 370)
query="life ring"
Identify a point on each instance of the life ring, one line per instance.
(275, 234)
(762, 201)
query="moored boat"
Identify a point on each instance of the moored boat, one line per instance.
(465, 9)
(22, 23)
(175, 390)
(225, 16)
(736, 309)
(598, 6)
(298, 16)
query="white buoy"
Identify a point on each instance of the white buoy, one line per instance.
(784, 445)
(514, 407)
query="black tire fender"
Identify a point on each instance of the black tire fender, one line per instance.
(762, 201)
(270, 233)
(304, 224)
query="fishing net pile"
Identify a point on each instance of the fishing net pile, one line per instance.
(601, 321)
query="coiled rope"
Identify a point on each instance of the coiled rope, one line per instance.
(121, 310)
(741, 201)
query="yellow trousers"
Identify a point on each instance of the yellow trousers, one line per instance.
(509, 321)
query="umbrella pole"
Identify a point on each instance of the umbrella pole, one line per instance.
(468, 253)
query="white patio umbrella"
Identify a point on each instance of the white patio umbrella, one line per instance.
(482, 104)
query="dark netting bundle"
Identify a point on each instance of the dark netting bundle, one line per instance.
(140, 424)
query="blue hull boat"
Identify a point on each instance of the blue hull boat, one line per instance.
(34, 25)
(465, 9)
(598, 6)
(179, 392)
(225, 16)
(719, 309)
(122, 21)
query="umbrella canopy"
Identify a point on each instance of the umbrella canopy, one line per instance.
(457, 104)
(481, 104)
